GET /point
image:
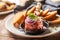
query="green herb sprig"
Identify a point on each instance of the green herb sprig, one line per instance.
(32, 16)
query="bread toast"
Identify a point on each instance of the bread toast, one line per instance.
(18, 19)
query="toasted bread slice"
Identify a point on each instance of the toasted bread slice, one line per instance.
(10, 7)
(51, 16)
(45, 12)
(56, 21)
(32, 9)
(18, 19)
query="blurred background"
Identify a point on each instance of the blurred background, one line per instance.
(22, 3)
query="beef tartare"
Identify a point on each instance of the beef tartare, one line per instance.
(33, 24)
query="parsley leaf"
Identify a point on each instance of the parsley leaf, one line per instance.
(32, 16)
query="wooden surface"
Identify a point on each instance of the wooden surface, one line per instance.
(6, 35)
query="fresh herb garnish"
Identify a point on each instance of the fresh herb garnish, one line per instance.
(32, 16)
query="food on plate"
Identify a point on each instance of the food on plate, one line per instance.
(56, 21)
(9, 3)
(2, 6)
(53, 5)
(10, 7)
(40, 13)
(33, 24)
(18, 19)
(32, 10)
(25, 13)
(38, 6)
(5, 6)
(45, 12)
(35, 20)
(37, 13)
(52, 15)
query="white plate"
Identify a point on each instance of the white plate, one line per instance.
(7, 12)
(10, 27)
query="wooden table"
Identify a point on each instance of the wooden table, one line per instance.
(6, 35)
